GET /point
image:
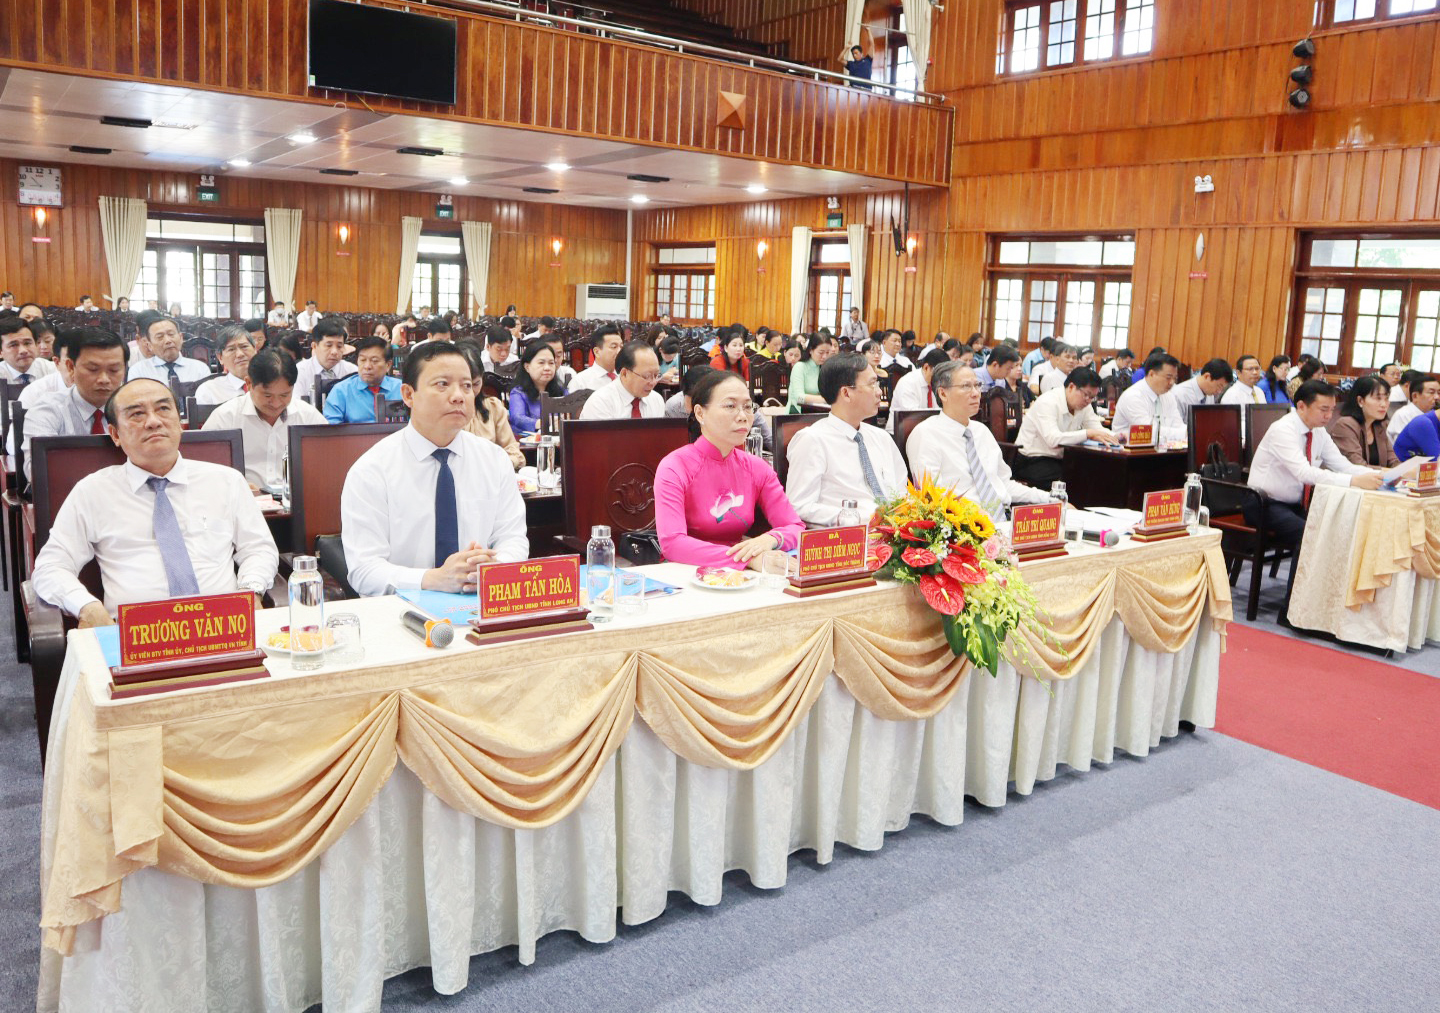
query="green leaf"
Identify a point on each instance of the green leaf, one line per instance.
(954, 635)
(989, 648)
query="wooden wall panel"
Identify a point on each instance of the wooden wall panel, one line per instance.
(520, 272)
(811, 31)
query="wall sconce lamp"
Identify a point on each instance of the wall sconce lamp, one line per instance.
(41, 217)
(342, 235)
(761, 248)
(557, 244)
(910, 243)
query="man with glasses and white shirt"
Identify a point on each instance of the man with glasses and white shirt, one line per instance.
(1247, 376)
(1058, 419)
(631, 395)
(1148, 402)
(839, 457)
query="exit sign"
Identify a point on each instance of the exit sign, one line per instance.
(444, 211)
(835, 220)
(208, 195)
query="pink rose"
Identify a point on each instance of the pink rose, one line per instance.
(992, 547)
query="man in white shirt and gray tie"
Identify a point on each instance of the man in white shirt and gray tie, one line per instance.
(167, 365)
(19, 355)
(327, 359)
(1247, 376)
(839, 457)
(159, 526)
(424, 507)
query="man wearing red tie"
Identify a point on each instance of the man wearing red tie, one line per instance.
(1295, 455)
(912, 391)
(606, 342)
(631, 395)
(96, 358)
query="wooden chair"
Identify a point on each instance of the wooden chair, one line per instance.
(607, 469)
(784, 429)
(322, 390)
(1213, 423)
(554, 410)
(766, 381)
(905, 423)
(196, 414)
(1002, 410)
(1258, 420)
(59, 463)
(1240, 541)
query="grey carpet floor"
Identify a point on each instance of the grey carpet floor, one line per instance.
(1211, 875)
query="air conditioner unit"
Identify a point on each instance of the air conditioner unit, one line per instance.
(602, 302)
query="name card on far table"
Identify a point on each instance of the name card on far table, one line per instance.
(534, 598)
(1163, 516)
(1427, 479)
(1035, 531)
(182, 642)
(831, 559)
(1141, 436)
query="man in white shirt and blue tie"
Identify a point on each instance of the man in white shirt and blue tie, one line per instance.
(19, 355)
(424, 507)
(167, 365)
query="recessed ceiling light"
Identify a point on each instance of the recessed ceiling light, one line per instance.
(557, 166)
(458, 181)
(238, 163)
(639, 198)
(755, 188)
(302, 137)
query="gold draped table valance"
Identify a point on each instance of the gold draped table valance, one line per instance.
(245, 784)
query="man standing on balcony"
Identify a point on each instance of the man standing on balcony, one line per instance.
(853, 329)
(858, 63)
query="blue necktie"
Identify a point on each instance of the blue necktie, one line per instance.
(179, 573)
(447, 525)
(174, 384)
(24, 379)
(868, 469)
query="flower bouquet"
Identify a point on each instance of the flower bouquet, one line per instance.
(949, 547)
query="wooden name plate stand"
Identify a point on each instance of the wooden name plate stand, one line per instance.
(522, 601)
(831, 559)
(1164, 517)
(182, 643)
(1427, 480)
(1035, 531)
(1141, 438)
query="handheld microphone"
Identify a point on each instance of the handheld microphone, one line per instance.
(435, 633)
(1105, 538)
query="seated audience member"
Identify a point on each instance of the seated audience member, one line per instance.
(1205, 387)
(1424, 393)
(327, 359)
(563, 372)
(1149, 401)
(790, 351)
(1359, 433)
(30, 311)
(427, 505)
(1246, 388)
(499, 343)
(979, 354)
(44, 336)
(1036, 356)
(1122, 361)
(631, 395)
(96, 359)
(7, 303)
(678, 405)
(913, 391)
(1001, 369)
(33, 393)
(840, 457)
(1058, 419)
(256, 329)
(805, 374)
(439, 330)
(1419, 438)
(544, 327)
(237, 348)
(159, 526)
(537, 376)
(853, 329)
(730, 355)
(293, 345)
(511, 323)
(1087, 357)
(951, 346)
(1138, 373)
(667, 346)
(1272, 384)
(1297, 452)
(353, 398)
(264, 415)
(1392, 373)
(891, 343)
(706, 493)
(279, 316)
(872, 351)
(606, 342)
(309, 317)
(87, 305)
(139, 345)
(1066, 358)
(961, 454)
(770, 343)
(1309, 368)
(167, 364)
(19, 355)
(491, 420)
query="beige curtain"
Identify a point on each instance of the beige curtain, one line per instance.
(409, 245)
(122, 230)
(282, 252)
(859, 238)
(854, 18)
(476, 236)
(917, 27)
(799, 276)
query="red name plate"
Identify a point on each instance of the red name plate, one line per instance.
(1428, 477)
(831, 550)
(1037, 524)
(186, 628)
(1142, 436)
(510, 590)
(1164, 509)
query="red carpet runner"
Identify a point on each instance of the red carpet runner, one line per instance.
(1363, 719)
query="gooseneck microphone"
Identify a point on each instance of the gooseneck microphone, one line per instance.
(434, 632)
(1105, 538)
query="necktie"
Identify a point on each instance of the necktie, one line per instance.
(374, 390)
(635, 409)
(174, 384)
(1309, 488)
(610, 375)
(24, 379)
(930, 399)
(867, 469)
(447, 525)
(327, 374)
(97, 423)
(245, 387)
(179, 573)
(985, 493)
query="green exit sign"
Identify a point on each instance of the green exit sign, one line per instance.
(444, 211)
(835, 220)
(208, 195)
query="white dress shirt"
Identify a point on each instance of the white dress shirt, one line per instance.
(63, 413)
(277, 318)
(387, 508)
(1140, 405)
(39, 368)
(937, 447)
(1038, 374)
(887, 360)
(1402, 417)
(1048, 426)
(33, 392)
(853, 331)
(489, 364)
(109, 517)
(1281, 470)
(219, 390)
(307, 320)
(824, 469)
(1052, 379)
(153, 368)
(265, 445)
(590, 378)
(309, 369)
(613, 401)
(1188, 394)
(912, 393)
(1108, 369)
(1242, 394)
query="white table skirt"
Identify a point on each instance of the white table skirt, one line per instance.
(414, 883)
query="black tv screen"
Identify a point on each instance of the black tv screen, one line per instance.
(379, 51)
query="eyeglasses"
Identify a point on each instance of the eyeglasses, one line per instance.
(648, 377)
(873, 384)
(745, 409)
(966, 386)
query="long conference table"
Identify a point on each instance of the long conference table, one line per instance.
(257, 846)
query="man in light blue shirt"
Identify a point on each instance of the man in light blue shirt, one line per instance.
(353, 398)
(1039, 355)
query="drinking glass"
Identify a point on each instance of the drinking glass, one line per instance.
(754, 443)
(547, 477)
(776, 569)
(344, 630)
(630, 591)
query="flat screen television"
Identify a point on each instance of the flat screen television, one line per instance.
(378, 51)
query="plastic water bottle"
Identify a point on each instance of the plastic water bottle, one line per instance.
(849, 515)
(280, 480)
(600, 574)
(1194, 497)
(307, 615)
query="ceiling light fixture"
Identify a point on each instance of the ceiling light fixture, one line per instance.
(411, 149)
(557, 166)
(538, 189)
(238, 163)
(640, 177)
(301, 137)
(458, 181)
(125, 121)
(756, 188)
(85, 149)
(639, 198)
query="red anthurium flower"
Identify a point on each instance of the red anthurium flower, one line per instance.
(964, 570)
(965, 551)
(918, 557)
(922, 525)
(942, 593)
(878, 555)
